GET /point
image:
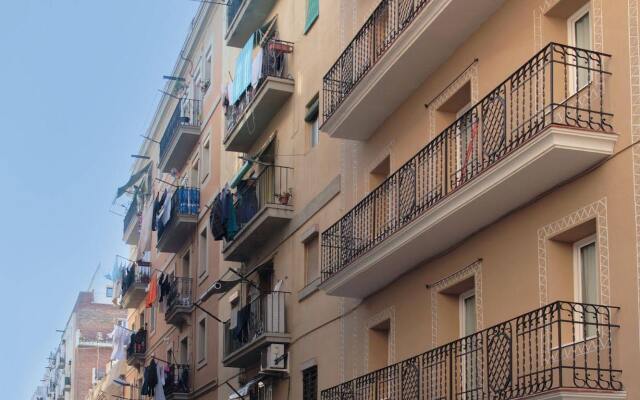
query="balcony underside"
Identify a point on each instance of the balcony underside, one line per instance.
(417, 52)
(178, 315)
(251, 15)
(273, 93)
(551, 158)
(580, 394)
(180, 148)
(132, 233)
(256, 232)
(175, 235)
(136, 360)
(134, 295)
(249, 354)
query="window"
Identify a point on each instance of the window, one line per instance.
(206, 160)
(310, 383)
(152, 318)
(203, 257)
(202, 340)
(194, 175)
(208, 71)
(312, 259)
(313, 11)
(586, 283)
(468, 313)
(579, 30)
(109, 291)
(311, 117)
(184, 350)
(379, 345)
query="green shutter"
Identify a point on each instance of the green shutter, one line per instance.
(313, 10)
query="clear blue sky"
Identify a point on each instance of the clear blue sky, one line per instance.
(79, 81)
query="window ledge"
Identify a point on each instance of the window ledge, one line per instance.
(308, 290)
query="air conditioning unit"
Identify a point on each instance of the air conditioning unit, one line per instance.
(274, 360)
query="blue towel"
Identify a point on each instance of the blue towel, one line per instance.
(242, 78)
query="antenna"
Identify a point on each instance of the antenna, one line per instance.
(93, 277)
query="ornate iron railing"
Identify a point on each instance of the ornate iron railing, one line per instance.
(372, 41)
(560, 85)
(233, 6)
(180, 293)
(178, 379)
(274, 64)
(132, 212)
(186, 114)
(136, 274)
(264, 315)
(184, 201)
(561, 345)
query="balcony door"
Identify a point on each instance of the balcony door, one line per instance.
(579, 31)
(468, 351)
(586, 283)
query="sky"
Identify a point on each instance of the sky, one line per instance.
(80, 80)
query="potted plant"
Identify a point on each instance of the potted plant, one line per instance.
(285, 197)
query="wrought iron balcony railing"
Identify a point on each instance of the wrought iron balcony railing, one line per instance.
(263, 316)
(178, 379)
(272, 186)
(379, 32)
(187, 113)
(132, 212)
(138, 345)
(180, 293)
(184, 201)
(233, 6)
(136, 274)
(274, 64)
(560, 85)
(561, 345)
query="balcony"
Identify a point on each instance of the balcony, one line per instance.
(181, 221)
(180, 135)
(530, 134)
(264, 205)
(385, 62)
(538, 353)
(249, 116)
(137, 349)
(177, 382)
(131, 232)
(179, 301)
(265, 324)
(134, 285)
(244, 17)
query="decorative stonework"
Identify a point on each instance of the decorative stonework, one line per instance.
(634, 70)
(596, 23)
(596, 210)
(384, 315)
(470, 75)
(474, 270)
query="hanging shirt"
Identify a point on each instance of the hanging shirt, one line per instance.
(159, 389)
(256, 69)
(166, 210)
(121, 339)
(152, 293)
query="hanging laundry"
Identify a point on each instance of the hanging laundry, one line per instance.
(159, 389)
(215, 218)
(256, 69)
(121, 339)
(150, 379)
(242, 78)
(247, 201)
(242, 321)
(152, 293)
(229, 220)
(166, 209)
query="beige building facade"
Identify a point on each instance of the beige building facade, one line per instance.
(400, 200)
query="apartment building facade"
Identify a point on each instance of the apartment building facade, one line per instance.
(78, 362)
(406, 200)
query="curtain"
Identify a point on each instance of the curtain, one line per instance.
(589, 283)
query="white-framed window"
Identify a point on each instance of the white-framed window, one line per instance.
(194, 174)
(109, 292)
(203, 253)
(208, 70)
(152, 318)
(202, 340)
(206, 160)
(468, 313)
(579, 36)
(312, 259)
(586, 284)
(184, 350)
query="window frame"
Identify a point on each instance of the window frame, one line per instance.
(577, 280)
(308, 394)
(307, 243)
(461, 315)
(571, 40)
(203, 252)
(205, 164)
(201, 342)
